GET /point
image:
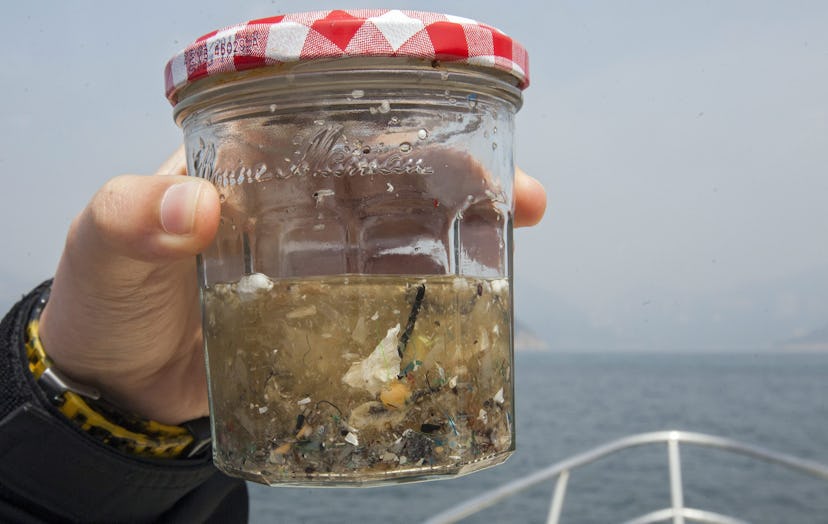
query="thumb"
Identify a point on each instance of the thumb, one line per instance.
(152, 219)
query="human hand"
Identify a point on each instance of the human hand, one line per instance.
(124, 315)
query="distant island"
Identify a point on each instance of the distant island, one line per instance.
(528, 340)
(813, 341)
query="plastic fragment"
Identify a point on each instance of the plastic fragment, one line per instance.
(352, 439)
(430, 428)
(305, 432)
(284, 448)
(251, 285)
(302, 312)
(381, 366)
(395, 395)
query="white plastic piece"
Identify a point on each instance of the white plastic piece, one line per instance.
(381, 366)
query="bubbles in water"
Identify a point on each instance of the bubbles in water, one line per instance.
(366, 150)
(394, 121)
(494, 146)
(357, 93)
(471, 100)
(422, 134)
(272, 108)
(405, 147)
(494, 130)
(452, 100)
(384, 107)
(444, 75)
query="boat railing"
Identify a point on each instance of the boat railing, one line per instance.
(676, 511)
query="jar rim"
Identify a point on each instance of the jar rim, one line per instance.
(308, 36)
(325, 80)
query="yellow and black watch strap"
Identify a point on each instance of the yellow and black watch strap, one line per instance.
(85, 408)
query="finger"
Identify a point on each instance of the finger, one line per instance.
(175, 165)
(530, 200)
(152, 219)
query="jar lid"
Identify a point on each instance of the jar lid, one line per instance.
(345, 33)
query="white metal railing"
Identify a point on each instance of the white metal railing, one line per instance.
(677, 511)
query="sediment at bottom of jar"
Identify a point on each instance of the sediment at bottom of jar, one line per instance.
(366, 480)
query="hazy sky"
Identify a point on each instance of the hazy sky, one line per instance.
(684, 146)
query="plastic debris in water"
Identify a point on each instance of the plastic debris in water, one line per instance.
(391, 414)
(250, 285)
(302, 312)
(381, 366)
(412, 319)
(395, 395)
(352, 439)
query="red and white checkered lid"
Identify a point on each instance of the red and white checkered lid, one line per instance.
(345, 33)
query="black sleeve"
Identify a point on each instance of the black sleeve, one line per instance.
(52, 471)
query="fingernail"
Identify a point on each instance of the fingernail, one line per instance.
(178, 207)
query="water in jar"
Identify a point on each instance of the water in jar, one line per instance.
(355, 379)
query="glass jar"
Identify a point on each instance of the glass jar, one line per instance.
(357, 304)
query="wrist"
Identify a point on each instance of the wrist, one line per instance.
(84, 406)
(137, 341)
(169, 387)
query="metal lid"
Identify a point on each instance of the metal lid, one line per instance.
(345, 33)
